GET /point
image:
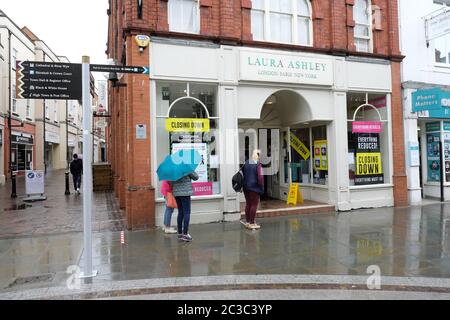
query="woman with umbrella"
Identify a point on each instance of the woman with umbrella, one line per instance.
(179, 168)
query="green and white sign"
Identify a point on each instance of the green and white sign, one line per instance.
(287, 68)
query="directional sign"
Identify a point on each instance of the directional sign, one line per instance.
(48, 80)
(119, 69)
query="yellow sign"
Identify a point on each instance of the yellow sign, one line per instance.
(295, 196)
(142, 41)
(368, 164)
(300, 147)
(321, 155)
(187, 125)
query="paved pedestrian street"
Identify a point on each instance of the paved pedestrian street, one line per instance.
(58, 214)
(36, 251)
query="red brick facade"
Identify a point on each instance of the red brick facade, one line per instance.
(224, 22)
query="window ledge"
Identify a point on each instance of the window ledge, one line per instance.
(377, 186)
(442, 66)
(199, 198)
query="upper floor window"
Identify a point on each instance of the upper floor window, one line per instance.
(284, 21)
(14, 59)
(28, 110)
(362, 14)
(184, 16)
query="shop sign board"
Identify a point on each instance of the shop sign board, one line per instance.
(34, 182)
(431, 103)
(446, 126)
(366, 127)
(369, 169)
(321, 155)
(433, 126)
(433, 157)
(300, 147)
(187, 125)
(287, 68)
(52, 137)
(20, 139)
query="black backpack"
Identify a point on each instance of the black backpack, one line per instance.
(238, 181)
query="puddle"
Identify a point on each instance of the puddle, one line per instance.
(18, 207)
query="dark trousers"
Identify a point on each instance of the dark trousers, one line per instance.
(76, 181)
(252, 199)
(184, 214)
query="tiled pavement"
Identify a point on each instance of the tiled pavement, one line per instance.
(58, 214)
(405, 242)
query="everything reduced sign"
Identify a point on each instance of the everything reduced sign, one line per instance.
(369, 169)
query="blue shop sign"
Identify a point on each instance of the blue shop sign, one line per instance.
(435, 102)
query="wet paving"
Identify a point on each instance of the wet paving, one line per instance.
(58, 214)
(406, 242)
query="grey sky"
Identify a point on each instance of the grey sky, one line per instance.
(71, 28)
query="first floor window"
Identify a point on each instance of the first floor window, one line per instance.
(14, 101)
(442, 49)
(283, 21)
(368, 139)
(28, 111)
(184, 16)
(362, 15)
(179, 105)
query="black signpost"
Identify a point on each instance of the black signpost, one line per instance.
(48, 80)
(119, 69)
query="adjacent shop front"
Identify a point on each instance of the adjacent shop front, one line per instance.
(22, 151)
(318, 120)
(431, 155)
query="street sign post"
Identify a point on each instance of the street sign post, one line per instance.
(69, 81)
(48, 80)
(119, 69)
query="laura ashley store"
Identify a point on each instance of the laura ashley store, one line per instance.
(321, 121)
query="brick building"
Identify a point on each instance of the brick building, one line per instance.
(315, 84)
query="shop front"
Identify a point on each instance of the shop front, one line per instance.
(430, 156)
(2, 174)
(317, 120)
(22, 151)
(51, 149)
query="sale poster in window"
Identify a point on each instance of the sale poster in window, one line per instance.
(433, 157)
(321, 155)
(369, 167)
(202, 148)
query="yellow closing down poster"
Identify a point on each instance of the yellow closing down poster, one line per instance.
(187, 125)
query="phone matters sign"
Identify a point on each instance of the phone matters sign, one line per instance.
(287, 68)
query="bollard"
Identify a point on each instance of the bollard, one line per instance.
(14, 186)
(67, 184)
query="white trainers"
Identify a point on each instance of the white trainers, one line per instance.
(170, 230)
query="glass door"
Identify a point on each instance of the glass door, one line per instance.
(285, 158)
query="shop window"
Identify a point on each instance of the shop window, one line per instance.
(368, 139)
(177, 102)
(184, 16)
(320, 155)
(362, 15)
(283, 21)
(300, 156)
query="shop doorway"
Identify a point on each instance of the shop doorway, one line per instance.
(287, 136)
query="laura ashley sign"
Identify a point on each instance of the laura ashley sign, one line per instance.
(262, 66)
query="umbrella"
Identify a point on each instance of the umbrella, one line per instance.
(178, 165)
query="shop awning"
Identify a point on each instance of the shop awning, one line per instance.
(431, 103)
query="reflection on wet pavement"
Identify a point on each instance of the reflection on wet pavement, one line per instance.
(402, 242)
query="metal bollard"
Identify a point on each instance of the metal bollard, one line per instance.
(14, 185)
(67, 184)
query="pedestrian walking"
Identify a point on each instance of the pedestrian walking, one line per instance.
(76, 169)
(167, 192)
(182, 191)
(253, 189)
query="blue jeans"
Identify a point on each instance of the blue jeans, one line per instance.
(184, 214)
(168, 216)
(77, 181)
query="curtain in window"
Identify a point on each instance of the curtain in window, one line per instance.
(183, 16)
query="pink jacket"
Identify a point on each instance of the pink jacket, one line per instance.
(165, 188)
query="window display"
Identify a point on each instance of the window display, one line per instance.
(368, 139)
(320, 165)
(187, 119)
